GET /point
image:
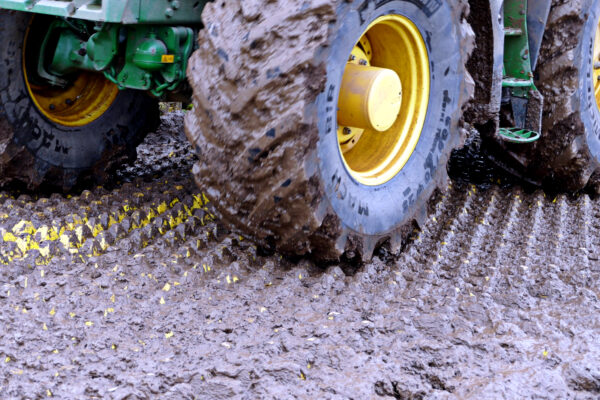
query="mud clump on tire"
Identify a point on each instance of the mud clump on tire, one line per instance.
(251, 92)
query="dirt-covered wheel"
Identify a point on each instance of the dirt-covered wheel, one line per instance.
(60, 136)
(324, 127)
(568, 154)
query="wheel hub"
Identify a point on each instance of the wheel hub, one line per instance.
(383, 100)
(370, 98)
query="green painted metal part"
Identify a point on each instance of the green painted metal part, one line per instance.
(186, 12)
(154, 58)
(518, 135)
(517, 63)
(517, 83)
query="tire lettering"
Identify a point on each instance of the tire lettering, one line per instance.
(47, 139)
(59, 148)
(340, 188)
(331, 120)
(429, 7)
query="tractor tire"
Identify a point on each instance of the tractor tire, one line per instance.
(266, 81)
(568, 154)
(97, 130)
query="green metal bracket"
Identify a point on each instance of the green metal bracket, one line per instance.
(518, 135)
(154, 57)
(73, 53)
(517, 63)
(519, 89)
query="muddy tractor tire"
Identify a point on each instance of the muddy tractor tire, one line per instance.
(296, 165)
(568, 154)
(59, 136)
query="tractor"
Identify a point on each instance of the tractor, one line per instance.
(323, 128)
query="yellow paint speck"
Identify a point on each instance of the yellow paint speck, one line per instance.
(545, 353)
(162, 300)
(7, 359)
(53, 311)
(169, 335)
(44, 327)
(167, 287)
(89, 323)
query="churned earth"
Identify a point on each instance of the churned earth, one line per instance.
(134, 292)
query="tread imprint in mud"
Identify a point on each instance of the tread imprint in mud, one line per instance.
(429, 322)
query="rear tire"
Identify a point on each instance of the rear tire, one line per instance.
(35, 150)
(266, 81)
(568, 153)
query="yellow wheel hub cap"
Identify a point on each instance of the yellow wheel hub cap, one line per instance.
(83, 101)
(596, 66)
(383, 100)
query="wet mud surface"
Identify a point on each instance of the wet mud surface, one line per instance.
(134, 292)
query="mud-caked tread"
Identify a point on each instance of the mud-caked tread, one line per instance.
(257, 78)
(37, 152)
(564, 158)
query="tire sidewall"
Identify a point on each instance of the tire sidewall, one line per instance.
(381, 209)
(590, 114)
(54, 145)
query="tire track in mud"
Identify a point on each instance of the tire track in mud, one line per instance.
(139, 295)
(131, 216)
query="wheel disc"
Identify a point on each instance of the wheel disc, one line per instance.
(596, 66)
(380, 120)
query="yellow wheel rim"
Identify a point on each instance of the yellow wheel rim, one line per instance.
(83, 101)
(385, 91)
(596, 66)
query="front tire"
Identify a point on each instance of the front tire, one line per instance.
(266, 86)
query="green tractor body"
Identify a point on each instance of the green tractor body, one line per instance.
(88, 35)
(115, 11)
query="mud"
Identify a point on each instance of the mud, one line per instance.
(497, 297)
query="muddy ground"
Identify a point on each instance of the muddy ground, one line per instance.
(133, 292)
